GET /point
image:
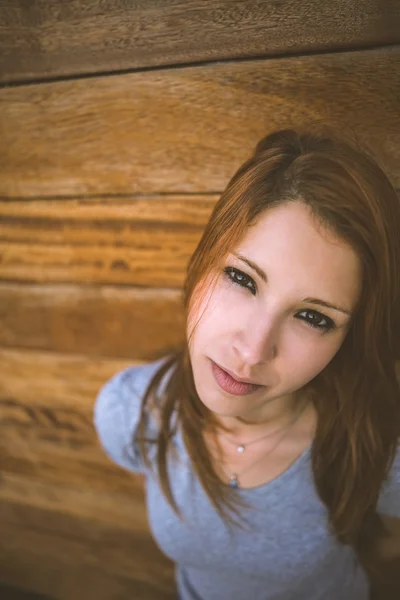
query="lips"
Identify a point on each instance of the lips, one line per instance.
(236, 378)
(231, 385)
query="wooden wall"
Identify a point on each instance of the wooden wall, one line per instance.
(119, 127)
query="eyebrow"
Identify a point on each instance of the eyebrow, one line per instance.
(263, 276)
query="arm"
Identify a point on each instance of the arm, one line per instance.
(116, 415)
(117, 411)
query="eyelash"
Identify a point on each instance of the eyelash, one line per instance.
(229, 271)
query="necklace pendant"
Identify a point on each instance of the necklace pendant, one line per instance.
(240, 448)
(234, 483)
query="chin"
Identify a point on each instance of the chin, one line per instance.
(222, 405)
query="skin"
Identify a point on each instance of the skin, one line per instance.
(265, 337)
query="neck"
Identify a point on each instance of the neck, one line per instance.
(270, 417)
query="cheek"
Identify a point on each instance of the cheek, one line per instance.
(214, 312)
(308, 358)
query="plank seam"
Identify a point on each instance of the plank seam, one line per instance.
(203, 63)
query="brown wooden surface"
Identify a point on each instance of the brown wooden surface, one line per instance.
(47, 437)
(187, 130)
(69, 558)
(39, 377)
(72, 523)
(133, 246)
(70, 518)
(59, 38)
(99, 321)
(135, 241)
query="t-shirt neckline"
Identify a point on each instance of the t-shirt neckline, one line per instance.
(264, 487)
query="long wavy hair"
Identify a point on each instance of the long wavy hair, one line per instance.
(357, 395)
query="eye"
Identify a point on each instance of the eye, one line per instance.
(317, 321)
(239, 278)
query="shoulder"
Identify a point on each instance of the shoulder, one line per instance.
(389, 499)
(117, 411)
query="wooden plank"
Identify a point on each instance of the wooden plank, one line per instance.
(47, 437)
(187, 130)
(58, 523)
(66, 566)
(65, 381)
(53, 472)
(46, 428)
(106, 321)
(129, 552)
(112, 507)
(54, 39)
(55, 460)
(52, 465)
(140, 242)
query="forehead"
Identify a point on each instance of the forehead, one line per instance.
(290, 245)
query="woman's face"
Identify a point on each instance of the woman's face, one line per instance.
(259, 321)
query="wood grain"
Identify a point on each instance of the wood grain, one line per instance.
(103, 321)
(70, 380)
(58, 39)
(119, 509)
(70, 518)
(68, 565)
(48, 422)
(188, 130)
(138, 241)
(50, 454)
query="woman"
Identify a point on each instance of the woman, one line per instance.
(270, 441)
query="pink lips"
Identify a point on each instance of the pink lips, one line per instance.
(230, 385)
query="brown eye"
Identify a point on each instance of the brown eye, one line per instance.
(316, 319)
(241, 279)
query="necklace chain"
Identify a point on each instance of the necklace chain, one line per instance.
(234, 477)
(242, 447)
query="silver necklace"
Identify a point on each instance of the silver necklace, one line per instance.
(242, 447)
(234, 477)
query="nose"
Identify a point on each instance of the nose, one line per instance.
(256, 340)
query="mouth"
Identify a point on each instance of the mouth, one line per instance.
(238, 379)
(231, 385)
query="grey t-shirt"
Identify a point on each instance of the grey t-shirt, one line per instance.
(286, 551)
